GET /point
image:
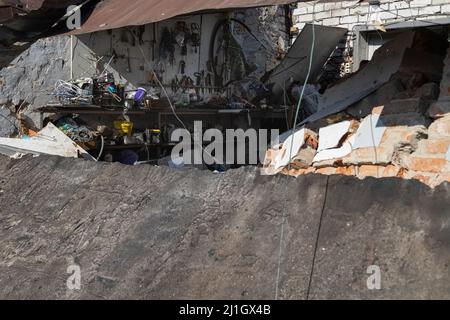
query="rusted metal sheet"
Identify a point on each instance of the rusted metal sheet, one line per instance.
(111, 14)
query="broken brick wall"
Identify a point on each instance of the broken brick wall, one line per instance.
(402, 129)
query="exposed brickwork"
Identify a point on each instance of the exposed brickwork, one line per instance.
(350, 14)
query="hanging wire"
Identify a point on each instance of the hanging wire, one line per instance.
(284, 211)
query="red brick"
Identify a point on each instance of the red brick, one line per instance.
(392, 171)
(371, 171)
(439, 109)
(440, 128)
(436, 146)
(326, 171)
(423, 179)
(310, 170)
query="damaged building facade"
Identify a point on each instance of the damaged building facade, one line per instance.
(119, 87)
(357, 180)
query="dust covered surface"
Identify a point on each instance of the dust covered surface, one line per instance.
(154, 233)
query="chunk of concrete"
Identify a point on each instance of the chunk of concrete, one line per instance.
(8, 123)
(418, 105)
(282, 155)
(370, 132)
(334, 154)
(439, 109)
(409, 119)
(331, 136)
(386, 61)
(396, 141)
(49, 141)
(429, 91)
(304, 158)
(440, 128)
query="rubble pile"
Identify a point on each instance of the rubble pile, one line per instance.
(402, 129)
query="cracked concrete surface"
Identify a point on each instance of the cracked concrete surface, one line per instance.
(154, 233)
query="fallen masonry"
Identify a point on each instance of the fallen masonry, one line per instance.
(400, 129)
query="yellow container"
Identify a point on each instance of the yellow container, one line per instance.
(125, 126)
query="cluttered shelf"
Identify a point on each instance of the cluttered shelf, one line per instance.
(114, 110)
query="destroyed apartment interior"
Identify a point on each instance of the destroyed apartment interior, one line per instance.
(93, 93)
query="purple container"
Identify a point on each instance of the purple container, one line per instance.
(140, 94)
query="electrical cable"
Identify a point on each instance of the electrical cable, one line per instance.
(101, 150)
(284, 211)
(70, 92)
(371, 116)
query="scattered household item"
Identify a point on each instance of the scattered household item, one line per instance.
(294, 66)
(125, 127)
(128, 157)
(50, 141)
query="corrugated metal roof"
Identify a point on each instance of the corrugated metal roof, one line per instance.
(112, 14)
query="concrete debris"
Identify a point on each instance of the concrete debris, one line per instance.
(291, 150)
(370, 132)
(380, 97)
(166, 237)
(442, 106)
(36, 68)
(440, 128)
(403, 125)
(8, 123)
(439, 109)
(400, 106)
(385, 63)
(49, 141)
(414, 56)
(336, 153)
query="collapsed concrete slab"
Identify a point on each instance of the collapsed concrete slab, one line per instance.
(414, 55)
(154, 233)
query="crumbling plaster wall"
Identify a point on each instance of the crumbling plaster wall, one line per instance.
(29, 80)
(352, 14)
(269, 25)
